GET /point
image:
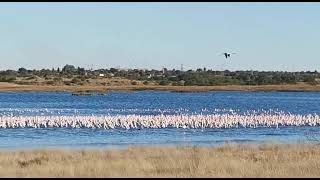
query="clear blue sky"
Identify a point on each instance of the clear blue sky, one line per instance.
(265, 36)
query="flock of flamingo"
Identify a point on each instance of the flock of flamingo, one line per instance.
(134, 121)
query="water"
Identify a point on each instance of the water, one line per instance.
(153, 103)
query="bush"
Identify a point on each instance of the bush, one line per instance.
(164, 82)
(7, 78)
(134, 83)
(145, 82)
(75, 81)
(83, 78)
(67, 83)
(50, 82)
(189, 83)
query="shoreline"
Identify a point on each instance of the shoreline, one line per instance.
(10, 87)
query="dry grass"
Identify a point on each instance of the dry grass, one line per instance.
(226, 161)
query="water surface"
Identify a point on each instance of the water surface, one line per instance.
(153, 103)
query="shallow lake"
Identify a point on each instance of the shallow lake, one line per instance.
(153, 103)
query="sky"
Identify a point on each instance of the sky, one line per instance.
(268, 36)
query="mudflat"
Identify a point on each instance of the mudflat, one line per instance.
(12, 87)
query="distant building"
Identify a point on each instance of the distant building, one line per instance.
(101, 75)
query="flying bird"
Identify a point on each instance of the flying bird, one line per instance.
(227, 54)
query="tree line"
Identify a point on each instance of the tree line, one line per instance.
(199, 77)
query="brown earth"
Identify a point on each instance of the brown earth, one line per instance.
(12, 87)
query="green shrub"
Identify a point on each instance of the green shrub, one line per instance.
(7, 78)
(164, 82)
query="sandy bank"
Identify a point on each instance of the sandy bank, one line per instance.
(10, 87)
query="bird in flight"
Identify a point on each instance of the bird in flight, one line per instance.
(227, 54)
